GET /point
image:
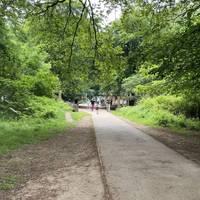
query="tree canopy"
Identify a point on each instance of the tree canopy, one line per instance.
(61, 45)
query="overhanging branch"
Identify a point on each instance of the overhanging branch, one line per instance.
(75, 32)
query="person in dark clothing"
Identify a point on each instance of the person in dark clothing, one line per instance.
(92, 104)
(75, 109)
(76, 101)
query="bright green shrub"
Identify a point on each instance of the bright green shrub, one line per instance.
(169, 102)
(165, 111)
(43, 107)
(47, 119)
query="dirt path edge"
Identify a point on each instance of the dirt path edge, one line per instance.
(107, 193)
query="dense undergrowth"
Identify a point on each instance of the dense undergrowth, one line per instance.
(47, 120)
(160, 111)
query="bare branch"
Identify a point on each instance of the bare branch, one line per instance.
(48, 6)
(75, 32)
(92, 18)
(68, 17)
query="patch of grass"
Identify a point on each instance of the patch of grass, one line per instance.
(9, 182)
(77, 116)
(159, 112)
(132, 115)
(48, 119)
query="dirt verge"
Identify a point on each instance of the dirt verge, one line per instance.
(63, 167)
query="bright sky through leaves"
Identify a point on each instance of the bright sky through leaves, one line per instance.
(109, 14)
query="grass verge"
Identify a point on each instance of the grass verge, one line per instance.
(77, 116)
(159, 112)
(47, 120)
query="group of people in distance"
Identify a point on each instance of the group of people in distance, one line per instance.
(95, 106)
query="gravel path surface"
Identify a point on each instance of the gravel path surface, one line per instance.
(137, 167)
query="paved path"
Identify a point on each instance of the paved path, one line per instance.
(137, 167)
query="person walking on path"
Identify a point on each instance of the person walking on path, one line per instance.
(97, 107)
(92, 104)
(108, 102)
(75, 106)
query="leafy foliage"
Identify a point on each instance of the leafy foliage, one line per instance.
(165, 111)
(49, 46)
(24, 74)
(47, 120)
(161, 45)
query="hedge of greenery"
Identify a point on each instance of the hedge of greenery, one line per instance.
(47, 119)
(164, 111)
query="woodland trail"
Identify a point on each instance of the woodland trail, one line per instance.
(138, 167)
(133, 166)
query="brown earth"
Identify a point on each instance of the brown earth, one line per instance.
(63, 167)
